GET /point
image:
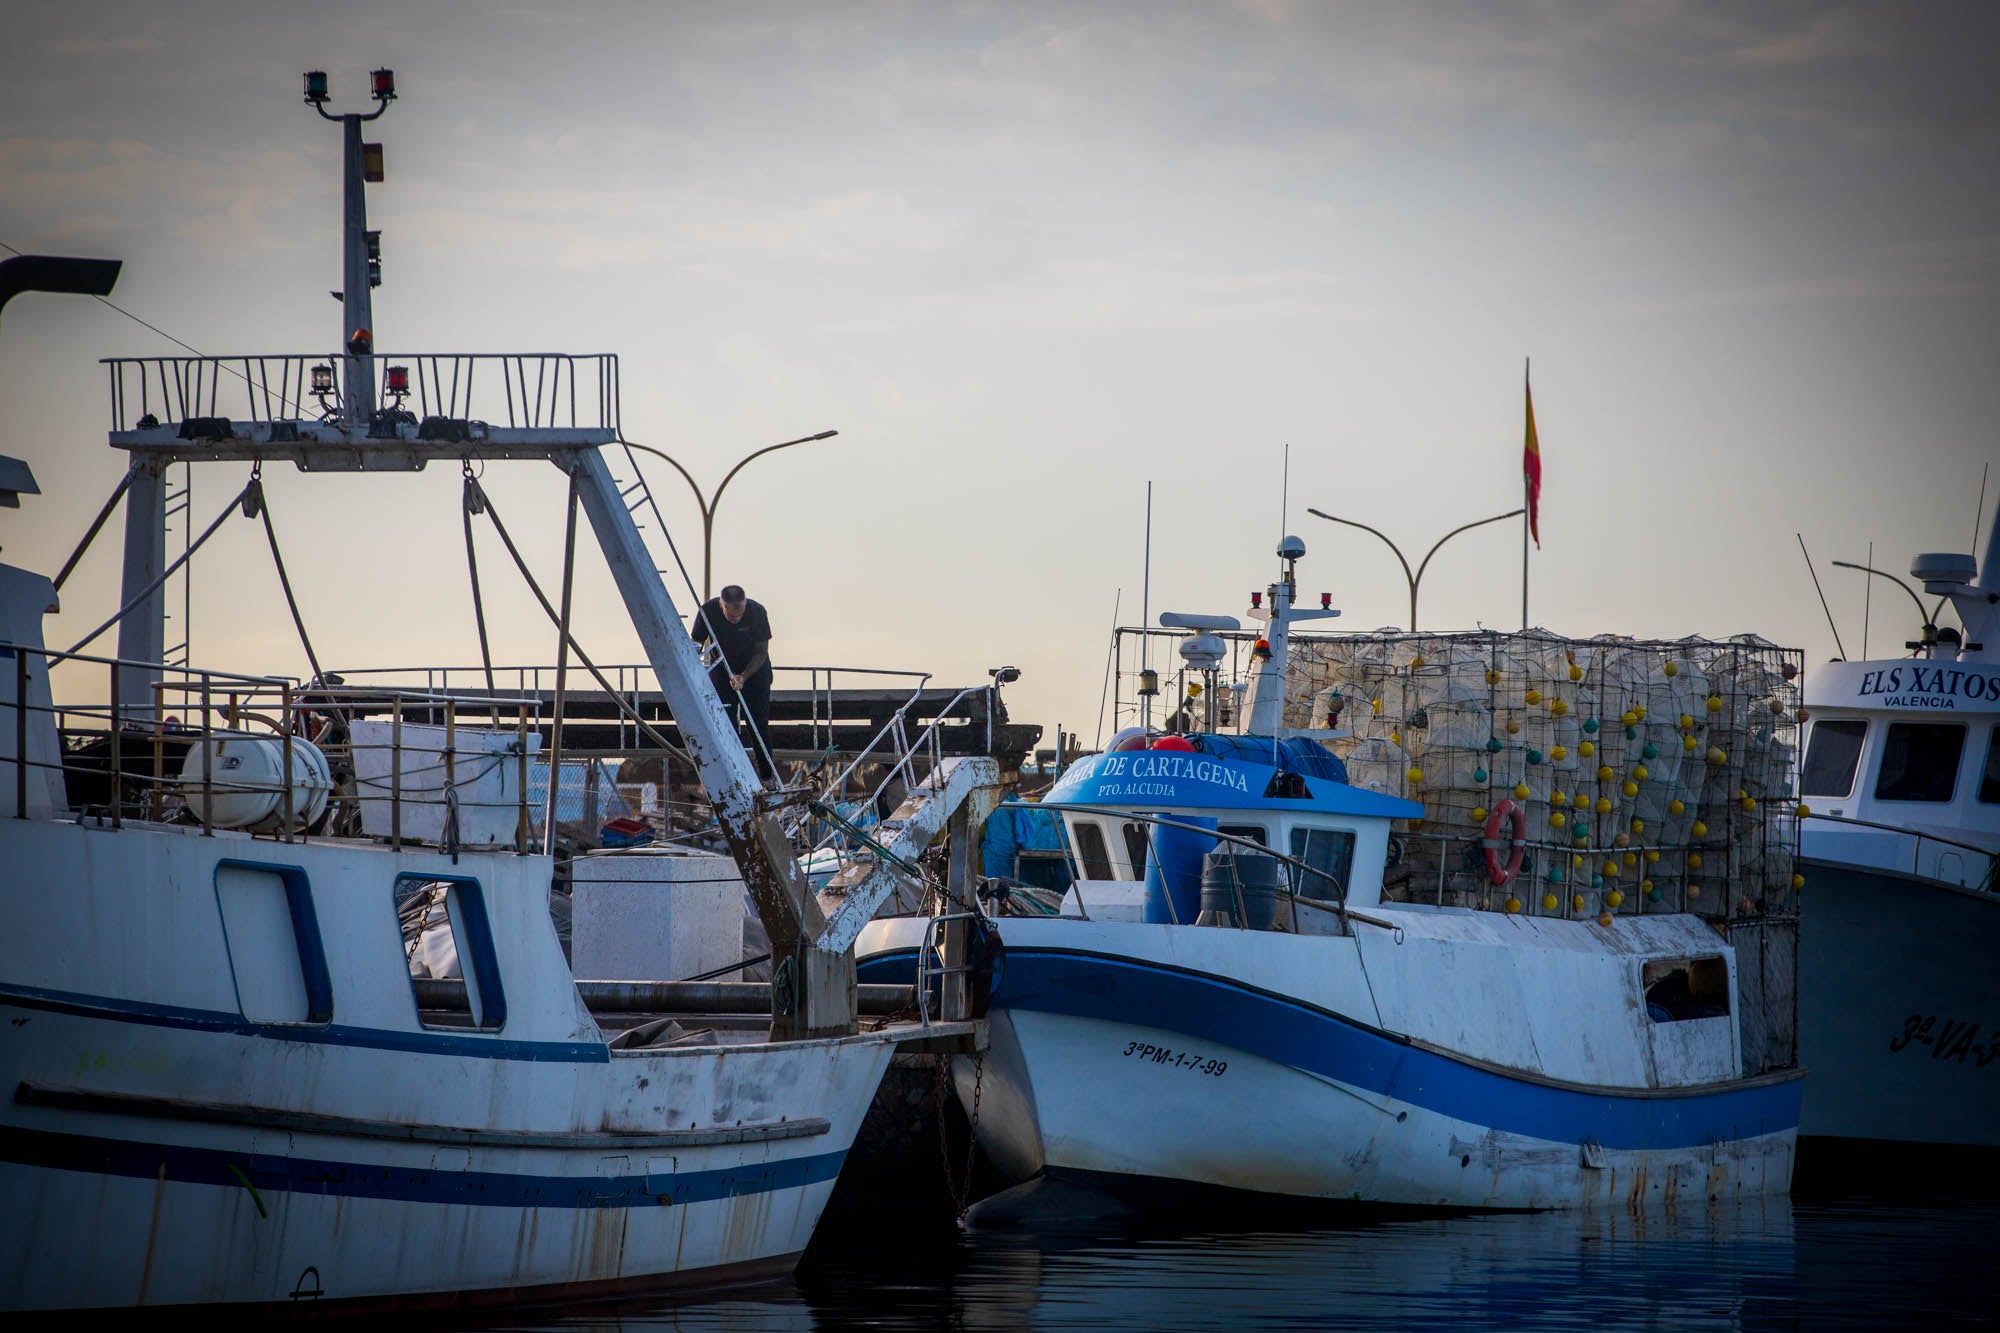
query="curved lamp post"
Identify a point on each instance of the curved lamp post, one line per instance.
(1418, 577)
(708, 504)
(1927, 618)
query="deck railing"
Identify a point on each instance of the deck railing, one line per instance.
(514, 390)
(117, 759)
(1981, 872)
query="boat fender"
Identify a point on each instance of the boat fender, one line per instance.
(1517, 845)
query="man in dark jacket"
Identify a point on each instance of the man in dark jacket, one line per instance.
(736, 636)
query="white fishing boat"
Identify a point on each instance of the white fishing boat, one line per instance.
(253, 1062)
(1898, 992)
(1268, 979)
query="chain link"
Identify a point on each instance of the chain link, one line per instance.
(959, 1186)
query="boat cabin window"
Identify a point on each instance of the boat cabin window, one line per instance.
(1831, 756)
(1920, 761)
(1678, 989)
(1090, 849)
(1254, 832)
(1136, 843)
(448, 944)
(1329, 855)
(1989, 783)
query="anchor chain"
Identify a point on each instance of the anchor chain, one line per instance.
(952, 1184)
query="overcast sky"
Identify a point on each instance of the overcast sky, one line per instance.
(1026, 258)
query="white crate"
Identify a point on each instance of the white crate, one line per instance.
(485, 771)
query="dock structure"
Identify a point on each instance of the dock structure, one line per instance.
(812, 725)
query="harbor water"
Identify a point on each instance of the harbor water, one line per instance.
(1777, 1264)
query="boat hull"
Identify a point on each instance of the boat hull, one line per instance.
(163, 1141)
(1109, 1066)
(1899, 1014)
(110, 1201)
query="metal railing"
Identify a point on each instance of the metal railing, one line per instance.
(515, 390)
(221, 703)
(141, 752)
(1301, 871)
(1988, 883)
(899, 751)
(1462, 855)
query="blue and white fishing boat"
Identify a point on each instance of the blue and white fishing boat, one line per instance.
(1899, 996)
(1229, 1000)
(252, 1061)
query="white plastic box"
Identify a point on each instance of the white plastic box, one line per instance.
(485, 771)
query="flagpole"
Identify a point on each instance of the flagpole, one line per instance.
(1525, 505)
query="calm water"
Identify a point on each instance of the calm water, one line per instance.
(1776, 1265)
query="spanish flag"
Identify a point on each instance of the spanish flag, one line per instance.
(1531, 466)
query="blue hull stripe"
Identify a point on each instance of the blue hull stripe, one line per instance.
(314, 1034)
(357, 1180)
(1224, 1014)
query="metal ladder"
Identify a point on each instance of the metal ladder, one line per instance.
(179, 504)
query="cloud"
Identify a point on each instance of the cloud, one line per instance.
(223, 202)
(1682, 146)
(122, 44)
(1826, 37)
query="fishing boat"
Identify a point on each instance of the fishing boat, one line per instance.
(1521, 972)
(288, 1026)
(1899, 996)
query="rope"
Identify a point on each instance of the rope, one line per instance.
(562, 662)
(833, 817)
(285, 583)
(250, 492)
(96, 525)
(646, 728)
(289, 403)
(472, 498)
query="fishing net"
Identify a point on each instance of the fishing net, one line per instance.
(1650, 776)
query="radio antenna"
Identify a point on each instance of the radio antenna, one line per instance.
(1285, 495)
(1822, 596)
(1979, 511)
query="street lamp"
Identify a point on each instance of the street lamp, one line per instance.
(708, 505)
(57, 273)
(1418, 577)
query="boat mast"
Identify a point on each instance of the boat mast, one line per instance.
(1267, 687)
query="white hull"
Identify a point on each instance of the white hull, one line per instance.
(1151, 1054)
(161, 1146)
(1270, 1128)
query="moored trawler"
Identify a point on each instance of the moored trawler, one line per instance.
(1524, 973)
(287, 1022)
(1898, 992)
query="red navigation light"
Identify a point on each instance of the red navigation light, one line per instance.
(398, 379)
(1326, 601)
(371, 163)
(382, 84)
(316, 93)
(1256, 599)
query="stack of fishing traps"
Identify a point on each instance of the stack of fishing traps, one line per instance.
(1644, 776)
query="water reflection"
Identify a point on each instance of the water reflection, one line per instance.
(1767, 1265)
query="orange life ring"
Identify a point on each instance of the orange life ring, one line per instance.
(1514, 814)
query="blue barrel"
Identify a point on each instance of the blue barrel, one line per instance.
(1173, 870)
